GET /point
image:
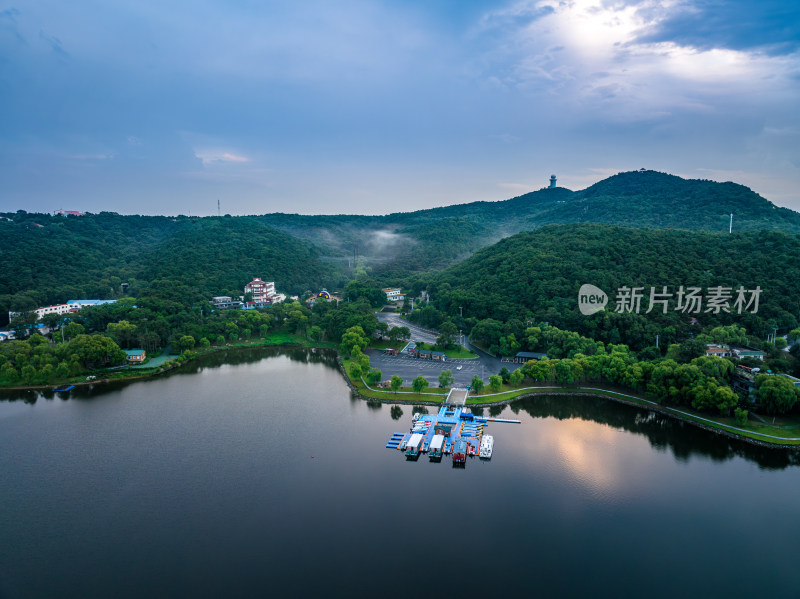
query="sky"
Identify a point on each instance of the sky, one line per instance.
(143, 107)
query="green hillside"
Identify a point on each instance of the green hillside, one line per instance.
(90, 256)
(431, 239)
(535, 276)
(659, 200)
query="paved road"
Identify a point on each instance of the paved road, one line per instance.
(491, 365)
(417, 333)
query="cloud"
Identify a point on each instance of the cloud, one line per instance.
(771, 26)
(210, 157)
(615, 61)
(54, 43)
(9, 22)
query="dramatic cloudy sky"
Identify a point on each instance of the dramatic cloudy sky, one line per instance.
(373, 107)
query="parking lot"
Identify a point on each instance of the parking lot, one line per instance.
(410, 368)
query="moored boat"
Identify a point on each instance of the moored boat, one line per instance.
(460, 452)
(487, 445)
(414, 446)
(436, 448)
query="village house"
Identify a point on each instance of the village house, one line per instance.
(747, 352)
(135, 356)
(393, 294)
(526, 356)
(720, 351)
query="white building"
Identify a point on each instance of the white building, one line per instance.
(393, 294)
(70, 306)
(263, 291)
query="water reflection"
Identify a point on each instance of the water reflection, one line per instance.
(232, 357)
(683, 440)
(663, 433)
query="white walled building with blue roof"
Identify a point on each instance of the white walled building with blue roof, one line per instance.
(70, 306)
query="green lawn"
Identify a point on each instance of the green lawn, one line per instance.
(458, 353)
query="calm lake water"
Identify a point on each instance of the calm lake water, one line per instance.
(257, 475)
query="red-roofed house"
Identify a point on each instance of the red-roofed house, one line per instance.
(718, 350)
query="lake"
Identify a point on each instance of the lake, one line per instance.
(256, 473)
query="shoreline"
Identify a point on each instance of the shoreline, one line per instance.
(720, 429)
(631, 400)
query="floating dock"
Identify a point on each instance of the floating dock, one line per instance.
(454, 430)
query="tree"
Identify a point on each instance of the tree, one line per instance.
(374, 376)
(28, 374)
(419, 384)
(505, 374)
(740, 416)
(314, 333)
(51, 320)
(495, 382)
(8, 373)
(96, 350)
(354, 337)
(21, 323)
(509, 345)
(122, 332)
(204, 342)
(186, 342)
(516, 377)
(73, 329)
(355, 370)
(447, 331)
(564, 374)
(446, 378)
(476, 384)
(776, 393)
(363, 361)
(396, 383)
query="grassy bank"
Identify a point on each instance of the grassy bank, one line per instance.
(787, 433)
(276, 339)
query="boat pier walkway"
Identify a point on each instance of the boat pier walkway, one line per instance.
(453, 421)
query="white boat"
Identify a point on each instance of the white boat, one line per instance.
(413, 447)
(487, 444)
(436, 447)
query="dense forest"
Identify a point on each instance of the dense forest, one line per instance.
(51, 259)
(47, 259)
(535, 277)
(427, 240)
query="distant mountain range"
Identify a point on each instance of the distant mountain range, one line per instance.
(431, 239)
(46, 258)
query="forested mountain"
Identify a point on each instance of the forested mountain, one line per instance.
(50, 259)
(535, 277)
(431, 239)
(46, 259)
